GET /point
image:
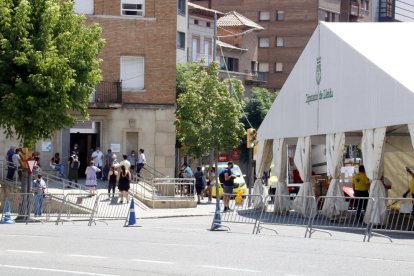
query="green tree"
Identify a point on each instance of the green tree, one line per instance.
(209, 111)
(256, 109)
(49, 66)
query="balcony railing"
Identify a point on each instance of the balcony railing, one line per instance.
(256, 76)
(107, 93)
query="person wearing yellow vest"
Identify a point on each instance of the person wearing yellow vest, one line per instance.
(360, 184)
(411, 188)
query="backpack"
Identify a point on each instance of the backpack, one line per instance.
(221, 176)
(75, 164)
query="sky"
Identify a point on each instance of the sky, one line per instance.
(404, 10)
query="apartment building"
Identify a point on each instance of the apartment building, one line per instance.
(288, 25)
(345, 10)
(134, 105)
(236, 44)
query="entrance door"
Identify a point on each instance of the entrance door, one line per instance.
(86, 144)
(131, 142)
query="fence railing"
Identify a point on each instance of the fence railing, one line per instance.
(358, 214)
(59, 208)
(165, 188)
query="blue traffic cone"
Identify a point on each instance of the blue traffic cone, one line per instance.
(7, 219)
(216, 221)
(132, 220)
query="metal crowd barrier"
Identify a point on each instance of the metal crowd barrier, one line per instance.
(19, 206)
(107, 207)
(271, 217)
(246, 211)
(164, 188)
(398, 217)
(346, 215)
(78, 206)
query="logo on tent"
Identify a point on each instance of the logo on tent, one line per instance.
(318, 70)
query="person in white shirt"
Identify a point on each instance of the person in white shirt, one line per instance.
(97, 157)
(39, 187)
(141, 162)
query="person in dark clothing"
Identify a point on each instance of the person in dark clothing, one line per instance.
(124, 178)
(112, 176)
(228, 186)
(200, 183)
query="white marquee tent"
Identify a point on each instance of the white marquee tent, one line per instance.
(352, 80)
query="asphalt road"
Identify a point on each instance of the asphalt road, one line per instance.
(184, 246)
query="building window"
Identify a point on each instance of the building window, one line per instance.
(132, 72)
(195, 21)
(264, 42)
(180, 40)
(263, 71)
(208, 24)
(181, 7)
(279, 42)
(280, 15)
(132, 7)
(278, 67)
(84, 6)
(195, 49)
(232, 64)
(207, 52)
(264, 16)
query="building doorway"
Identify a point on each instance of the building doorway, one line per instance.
(87, 136)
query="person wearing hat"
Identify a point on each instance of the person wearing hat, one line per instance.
(39, 187)
(228, 185)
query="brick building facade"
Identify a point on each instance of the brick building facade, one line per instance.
(134, 105)
(288, 25)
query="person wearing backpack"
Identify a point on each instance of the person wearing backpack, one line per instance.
(228, 185)
(74, 165)
(200, 183)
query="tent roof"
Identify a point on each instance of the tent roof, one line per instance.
(365, 81)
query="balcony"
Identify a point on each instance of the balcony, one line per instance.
(256, 77)
(204, 58)
(107, 95)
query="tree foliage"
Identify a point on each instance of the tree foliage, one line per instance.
(209, 111)
(256, 109)
(48, 66)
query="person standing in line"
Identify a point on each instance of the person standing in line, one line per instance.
(107, 165)
(360, 184)
(211, 183)
(97, 157)
(16, 158)
(112, 178)
(10, 167)
(124, 178)
(39, 187)
(200, 184)
(55, 164)
(73, 165)
(91, 180)
(228, 186)
(133, 160)
(125, 162)
(411, 187)
(115, 162)
(141, 162)
(75, 149)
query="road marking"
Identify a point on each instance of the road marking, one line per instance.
(56, 270)
(174, 244)
(153, 261)
(231, 268)
(87, 256)
(25, 251)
